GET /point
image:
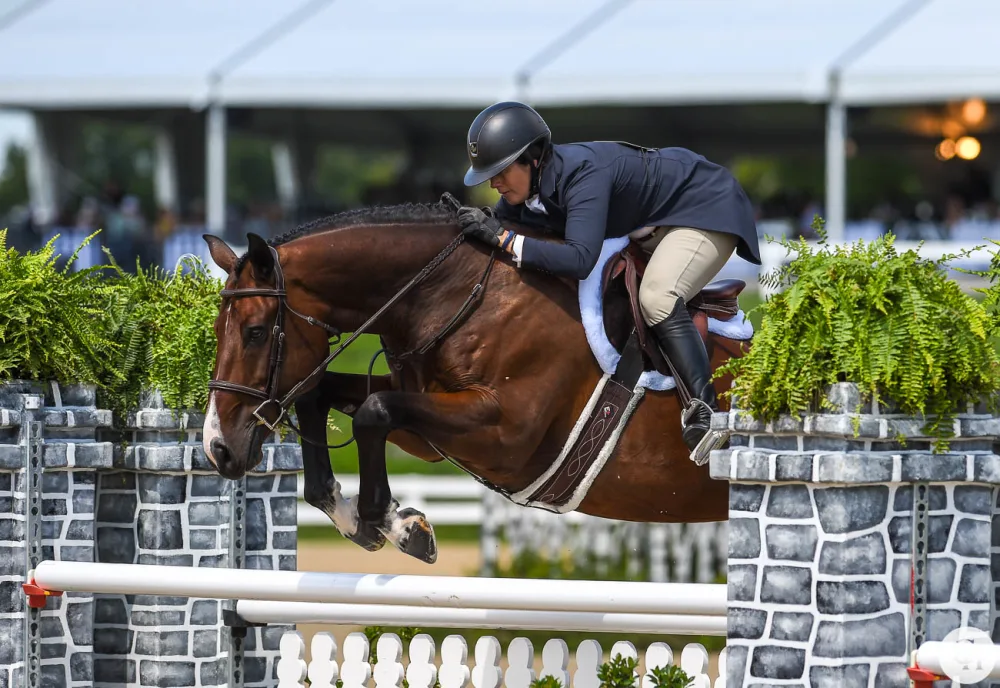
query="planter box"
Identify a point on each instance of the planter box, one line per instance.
(144, 493)
(822, 541)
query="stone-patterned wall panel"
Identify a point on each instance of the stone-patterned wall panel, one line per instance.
(71, 455)
(167, 505)
(271, 543)
(821, 540)
(139, 493)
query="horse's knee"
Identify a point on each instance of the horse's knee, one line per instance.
(374, 413)
(656, 299)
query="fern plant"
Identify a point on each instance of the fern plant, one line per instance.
(893, 323)
(991, 292)
(184, 351)
(100, 325)
(51, 321)
(163, 326)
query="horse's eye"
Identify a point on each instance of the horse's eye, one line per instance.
(256, 333)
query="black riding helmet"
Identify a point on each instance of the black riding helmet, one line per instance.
(499, 135)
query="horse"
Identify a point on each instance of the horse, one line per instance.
(490, 369)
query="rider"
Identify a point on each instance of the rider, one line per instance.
(689, 214)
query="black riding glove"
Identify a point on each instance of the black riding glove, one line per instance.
(478, 224)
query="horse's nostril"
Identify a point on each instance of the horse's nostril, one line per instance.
(220, 453)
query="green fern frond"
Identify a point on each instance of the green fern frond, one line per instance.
(892, 322)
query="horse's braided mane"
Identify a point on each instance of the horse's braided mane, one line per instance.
(402, 213)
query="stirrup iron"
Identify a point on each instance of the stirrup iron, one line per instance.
(711, 441)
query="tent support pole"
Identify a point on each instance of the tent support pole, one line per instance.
(836, 168)
(215, 170)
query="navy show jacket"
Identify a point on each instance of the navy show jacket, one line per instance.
(603, 189)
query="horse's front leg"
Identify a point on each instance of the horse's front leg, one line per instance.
(436, 417)
(346, 393)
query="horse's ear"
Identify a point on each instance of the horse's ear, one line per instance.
(260, 256)
(223, 256)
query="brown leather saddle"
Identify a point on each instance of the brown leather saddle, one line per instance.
(620, 282)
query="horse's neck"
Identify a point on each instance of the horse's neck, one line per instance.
(357, 270)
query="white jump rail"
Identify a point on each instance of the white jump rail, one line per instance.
(615, 597)
(930, 658)
(271, 612)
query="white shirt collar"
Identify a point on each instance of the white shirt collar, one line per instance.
(535, 204)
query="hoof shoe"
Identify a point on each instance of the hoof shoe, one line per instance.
(417, 539)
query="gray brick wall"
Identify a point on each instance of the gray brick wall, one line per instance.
(141, 492)
(821, 538)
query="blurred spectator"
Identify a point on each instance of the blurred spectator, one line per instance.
(127, 238)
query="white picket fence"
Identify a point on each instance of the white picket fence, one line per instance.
(453, 669)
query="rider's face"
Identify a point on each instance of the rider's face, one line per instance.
(514, 183)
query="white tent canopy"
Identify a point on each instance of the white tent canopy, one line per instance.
(948, 49)
(681, 51)
(400, 53)
(115, 53)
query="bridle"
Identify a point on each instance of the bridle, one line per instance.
(269, 395)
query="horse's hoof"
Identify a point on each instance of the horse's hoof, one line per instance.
(417, 539)
(368, 537)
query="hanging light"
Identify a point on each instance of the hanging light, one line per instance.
(945, 150)
(974, 110)
(967, 147)
(952, 129)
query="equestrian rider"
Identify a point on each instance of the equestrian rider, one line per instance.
(687, 213)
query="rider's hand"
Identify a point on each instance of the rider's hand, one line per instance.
(476, 223)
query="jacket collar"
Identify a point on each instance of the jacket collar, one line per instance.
(551, 173)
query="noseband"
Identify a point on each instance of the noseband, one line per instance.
(270, 394)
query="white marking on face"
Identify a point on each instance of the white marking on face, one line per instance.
(211, 429)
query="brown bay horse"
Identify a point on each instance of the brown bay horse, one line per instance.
(498, 393)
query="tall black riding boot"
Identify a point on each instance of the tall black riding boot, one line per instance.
(681, 343)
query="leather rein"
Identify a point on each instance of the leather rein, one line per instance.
(269, 395)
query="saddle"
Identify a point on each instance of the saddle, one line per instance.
(620, 282)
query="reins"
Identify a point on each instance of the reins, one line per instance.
(269, 394)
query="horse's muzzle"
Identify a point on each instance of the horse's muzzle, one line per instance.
(227, 466)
